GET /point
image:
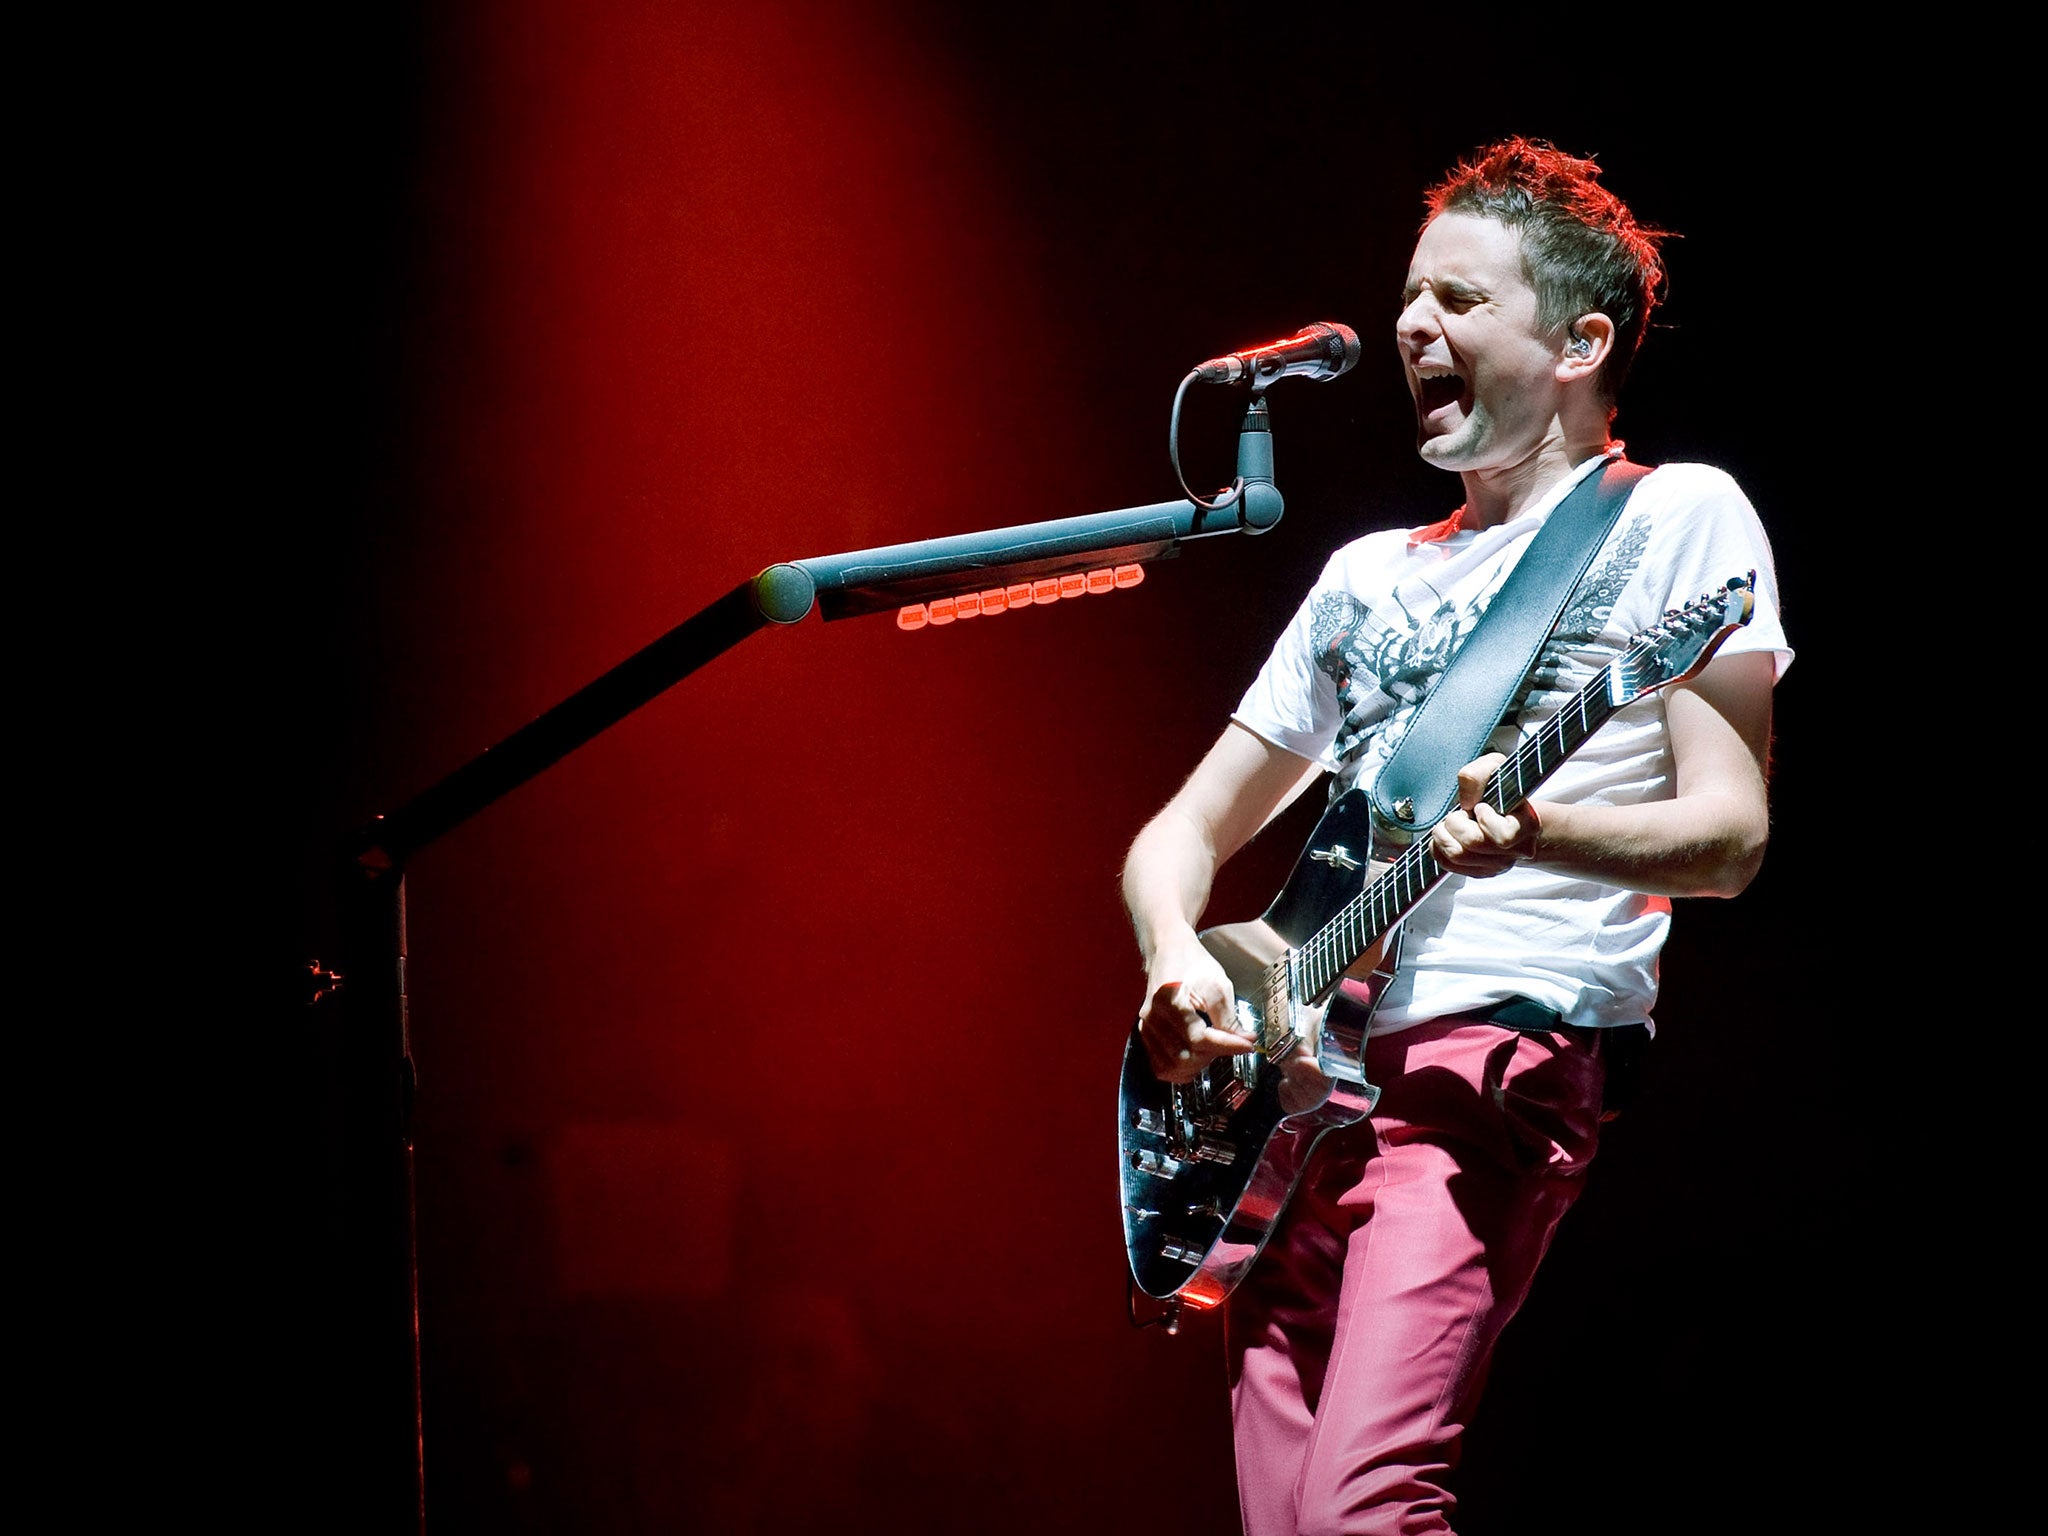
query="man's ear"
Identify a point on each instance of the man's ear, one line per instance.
(1587, 341)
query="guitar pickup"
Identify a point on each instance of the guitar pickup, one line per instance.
(1225, 1099)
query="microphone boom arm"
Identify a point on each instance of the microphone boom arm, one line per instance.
(840, 586)
(875, 580)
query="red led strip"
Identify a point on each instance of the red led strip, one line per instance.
(1021, 594)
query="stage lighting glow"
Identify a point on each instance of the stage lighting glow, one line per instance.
(1025, 594)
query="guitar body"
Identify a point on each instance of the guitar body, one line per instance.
(1208, 1166)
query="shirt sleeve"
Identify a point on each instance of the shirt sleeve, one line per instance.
(1292, 702)
(1710, 534)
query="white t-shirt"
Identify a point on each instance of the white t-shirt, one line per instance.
(1364, 649)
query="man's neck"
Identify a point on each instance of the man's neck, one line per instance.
(1493, 497)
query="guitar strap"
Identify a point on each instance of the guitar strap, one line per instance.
(1420, 782)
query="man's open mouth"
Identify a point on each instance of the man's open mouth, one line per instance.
(1435, 391)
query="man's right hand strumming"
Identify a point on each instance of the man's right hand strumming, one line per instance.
(1190, 1012)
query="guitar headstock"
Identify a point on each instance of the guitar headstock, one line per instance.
(1679, 645)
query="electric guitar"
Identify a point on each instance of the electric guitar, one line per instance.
(1207, 1166)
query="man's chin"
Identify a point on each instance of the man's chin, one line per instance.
(1446, 451)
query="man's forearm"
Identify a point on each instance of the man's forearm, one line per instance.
(1702, 845)
(1167, 878)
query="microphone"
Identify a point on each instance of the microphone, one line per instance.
(1319, 351)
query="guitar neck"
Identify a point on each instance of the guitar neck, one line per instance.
(1367, 918)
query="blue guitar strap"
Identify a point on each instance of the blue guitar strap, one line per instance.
(1419, 785)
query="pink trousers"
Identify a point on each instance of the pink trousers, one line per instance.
(1359, 1342)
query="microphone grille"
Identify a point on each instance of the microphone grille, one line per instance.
(1341, 349)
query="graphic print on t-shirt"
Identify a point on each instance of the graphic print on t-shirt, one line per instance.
(1385, 660)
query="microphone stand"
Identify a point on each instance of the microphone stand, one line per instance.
(377, 1247)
